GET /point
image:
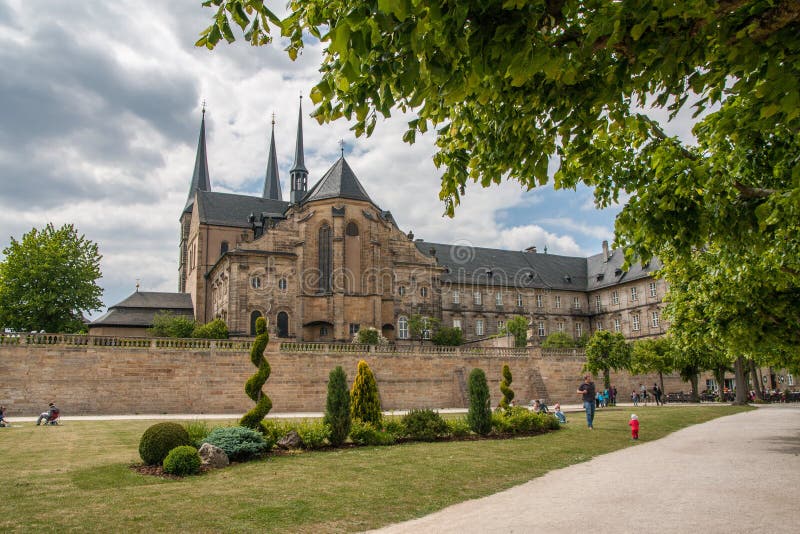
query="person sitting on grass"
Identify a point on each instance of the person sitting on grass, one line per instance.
(49, 416)
(3, 416)
(559, 414)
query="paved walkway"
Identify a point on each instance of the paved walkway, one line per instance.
(735, 474)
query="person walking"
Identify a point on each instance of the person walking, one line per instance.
(657, 394)
(634, 424)
(587, 392)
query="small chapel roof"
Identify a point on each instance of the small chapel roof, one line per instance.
(139, 309)
(339, 182)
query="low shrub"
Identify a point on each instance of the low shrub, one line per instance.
(216, 329)
(182, 461)
(197, 430)
(394, 426)
(314, 434)
(159, 439)
(238, 442)
(519, 420)
(362, 433)
(458, 428)
(424, 425)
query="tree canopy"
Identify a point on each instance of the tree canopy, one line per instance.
(606, 351)
(48, 280)
(528, 89)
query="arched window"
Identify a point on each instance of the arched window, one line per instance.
(223, 248)
(352, 258)
(402, 328)
(283, 324)
(282, 284)
(351, 230)
(253, 317)
(325, 262)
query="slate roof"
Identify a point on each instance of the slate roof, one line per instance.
(299, 156)
(201, 180)
(609, 273)
(272, 183)
(140, 308)
(339, 182)
(228, 209)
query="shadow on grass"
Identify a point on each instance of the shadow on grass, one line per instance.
(111, 476)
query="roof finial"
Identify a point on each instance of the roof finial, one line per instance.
(137, 285)
(341, 146)
(273, 119)
(204, 107)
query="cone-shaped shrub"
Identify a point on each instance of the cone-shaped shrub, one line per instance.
(337, 408)
(365, 404)
(252, 419)
(505, 389)
(479, 415)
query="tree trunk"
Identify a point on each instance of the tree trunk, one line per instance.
(694, 379)
(607, 378)
(756, 379)
(661, 382)
(741, 384)
(719, 377)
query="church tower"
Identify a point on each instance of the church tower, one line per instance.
(272, 184)
(298, 174)
(200, 182)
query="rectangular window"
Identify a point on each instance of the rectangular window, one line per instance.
(520, 304)
(790, 379)
(578, 329)
(477, 297)
(598, 304)
(598, 326)
(654, 319)
(558, 301)
(354, 328)
(456, 297)
(479, 327)
(614, 297)
(500, 326)
(560, 327)
(541, 329)
(633, 294)
(457, 323)
(539, 301)
(498, 299)
(635, 320)
(653, 292)
(617, 327)
(576, 303)
(426, 329)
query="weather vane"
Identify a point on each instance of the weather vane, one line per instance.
(273, 118)
(341, 146)
(204, 106)
(137, 285)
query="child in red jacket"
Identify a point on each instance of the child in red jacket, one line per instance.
(634, 424)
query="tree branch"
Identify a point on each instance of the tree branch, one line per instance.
(748, 192)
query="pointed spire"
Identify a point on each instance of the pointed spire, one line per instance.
(298, 174)
(272, 183)
(200, 179)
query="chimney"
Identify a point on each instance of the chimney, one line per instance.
(605, 251)
(531, 250)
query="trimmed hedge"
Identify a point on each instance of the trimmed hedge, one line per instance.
(183, 460)
(159, 439)
(424, 425)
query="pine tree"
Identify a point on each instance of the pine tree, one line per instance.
(479, 416)
(508, 393)
(337, 409)
(365, 403)
(253, 418)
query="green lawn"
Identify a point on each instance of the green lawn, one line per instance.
(77, 477)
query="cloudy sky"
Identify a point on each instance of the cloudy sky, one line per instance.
(100, 107)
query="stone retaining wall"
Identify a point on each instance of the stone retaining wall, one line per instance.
(151, 377)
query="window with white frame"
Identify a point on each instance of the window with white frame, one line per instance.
(598, 326)
(654, 319)
(520, 303)
(500, 325)
(614, 297)
(479, 327)
(539, 303)
(597, 302)
(476, 296)
(498, 299)
(633, 295)
(617, 326)
(635, 322)
(578, 329)
(576, 303)
(560, 327)
(457, 323)
(402, 328)
(282, 284)
(541, 329)
(456, 297)
(558, 301)
(255, 282)
(426, 328)
(652, 287)
(790, 379)
(423, 292)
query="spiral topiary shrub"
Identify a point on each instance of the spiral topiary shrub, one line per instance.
(337, 409)
(424, 425)
(505, 389)
(479, 415)
(365, 403)
(183, 460)
(238, 442)
(253, 418)
(159, 439)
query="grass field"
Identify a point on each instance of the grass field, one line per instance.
(77, 477)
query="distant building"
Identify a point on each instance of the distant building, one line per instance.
(134, 315)
(329, 261)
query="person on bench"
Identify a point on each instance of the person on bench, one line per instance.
(49, 416)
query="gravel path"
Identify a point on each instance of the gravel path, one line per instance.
(734, 474)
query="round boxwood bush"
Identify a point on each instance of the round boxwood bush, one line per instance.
(424, 425)
(238, 442)
(159, 439)
(183, 460)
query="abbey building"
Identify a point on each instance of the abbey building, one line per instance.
(327, 261)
